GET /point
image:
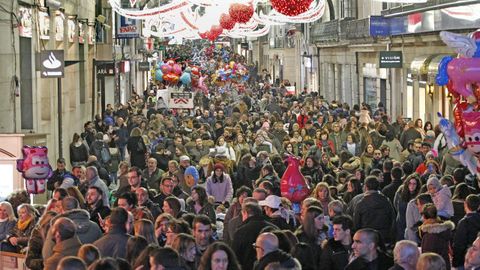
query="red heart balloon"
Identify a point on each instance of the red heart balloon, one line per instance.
(227, 22)
(241, 13)
(291, 7)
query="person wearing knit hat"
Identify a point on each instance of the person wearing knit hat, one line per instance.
(191, 176)
(441, 196)
(219, 185)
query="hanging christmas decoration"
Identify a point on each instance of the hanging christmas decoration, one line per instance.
(241, 13)
(227, 22)
(193, 19)
(291, 7)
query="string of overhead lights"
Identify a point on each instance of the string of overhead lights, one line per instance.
(209, 19)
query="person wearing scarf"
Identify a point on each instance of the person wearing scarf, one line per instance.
(17, 239)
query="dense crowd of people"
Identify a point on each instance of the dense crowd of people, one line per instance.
(156, 188)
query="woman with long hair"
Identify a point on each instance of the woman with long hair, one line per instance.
(312, 168)
(184, 244)
(313, 230)
(219, 185)
(135, 245)
(219, 256)
(136, 149)
(407, 192)
(240, 144)
(419, 127)
(78, 151)
(144, 227)
(200, 205)
(20, 233)
(322, 194)
(7, 219)
(367, 157)
(122, 175)
(172, 206)
(354, 187)
(161, 226)
(460, 194)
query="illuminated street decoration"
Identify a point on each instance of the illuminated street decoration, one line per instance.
(208, 19)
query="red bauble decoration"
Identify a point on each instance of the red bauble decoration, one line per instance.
(241, 13)
(203, 35)
(215, 31)
(291, 7)
(227, 22)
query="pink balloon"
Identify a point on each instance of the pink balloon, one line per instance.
(463, 72)
(177, 69)
(166, 68)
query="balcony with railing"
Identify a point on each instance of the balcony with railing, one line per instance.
(325, 32)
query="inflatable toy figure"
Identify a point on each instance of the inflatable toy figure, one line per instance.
(35, 168)
(293, 185)
(463, 71)
(455, 145)
(471, 124)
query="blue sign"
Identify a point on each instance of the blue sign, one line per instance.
(128, 28)
(379, 26)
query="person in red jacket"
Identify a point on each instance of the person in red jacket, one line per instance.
(302, 118)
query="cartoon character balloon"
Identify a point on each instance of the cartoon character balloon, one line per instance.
(35, 168)
(461, 75)
(293, 185)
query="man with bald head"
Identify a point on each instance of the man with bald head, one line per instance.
(152, 174)
(267, 250)
(366, 252)
(67, 242)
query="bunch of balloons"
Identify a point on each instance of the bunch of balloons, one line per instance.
(461, 75)
(231, 72)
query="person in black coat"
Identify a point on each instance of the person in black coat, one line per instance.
(336, 251)
(390, 189)
(367, 250)
(268, 251)
(246, 235)
(98, 211)
(137, 149)
(466, 230)
(58, 175)
(374, 210)
(114, 243)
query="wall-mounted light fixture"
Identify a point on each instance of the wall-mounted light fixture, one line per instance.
(430, 90)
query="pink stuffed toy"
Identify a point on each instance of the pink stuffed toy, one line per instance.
(34, 168)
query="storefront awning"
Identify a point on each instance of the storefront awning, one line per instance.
(433, 66)
(419, 65)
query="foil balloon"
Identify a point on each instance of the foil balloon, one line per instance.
(35, 168)
(463, 71)
(293, 185)
(166, 68)
(471, 123)
(177, 69)
(159, 75)
(186, 79)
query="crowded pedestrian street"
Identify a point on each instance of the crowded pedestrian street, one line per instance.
(240, 134)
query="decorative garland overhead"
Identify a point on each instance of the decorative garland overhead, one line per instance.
(208, 19)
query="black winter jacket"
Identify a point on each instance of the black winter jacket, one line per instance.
(466, 232)
(286, 260)
(334, 256)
